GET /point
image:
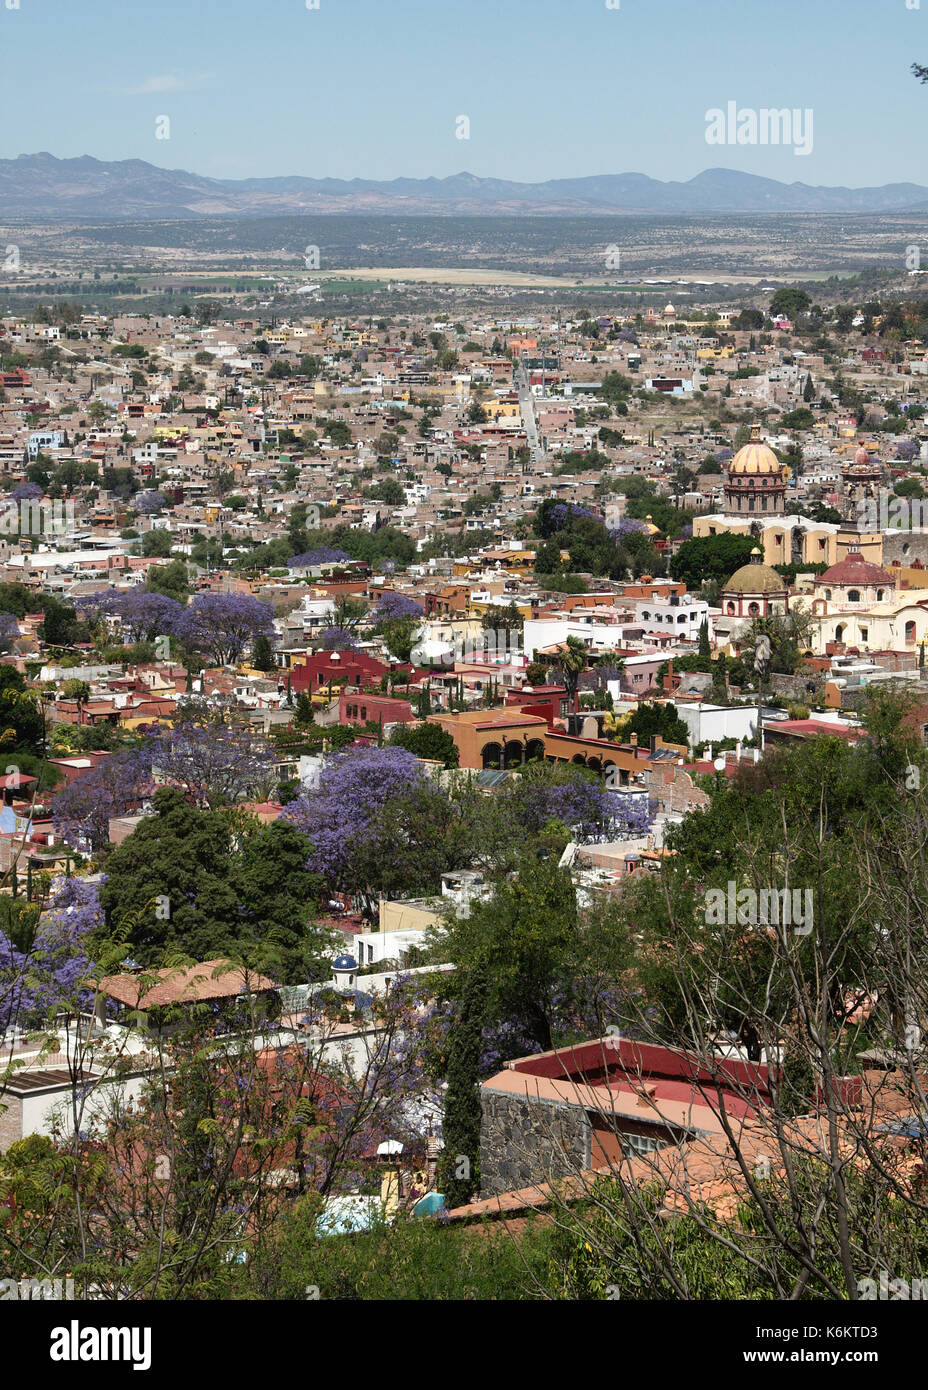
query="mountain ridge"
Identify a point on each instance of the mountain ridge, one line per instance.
(41, 186)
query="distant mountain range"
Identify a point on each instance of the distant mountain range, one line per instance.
(40, 187)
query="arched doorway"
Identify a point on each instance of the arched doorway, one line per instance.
(513, 753)
(491, 755)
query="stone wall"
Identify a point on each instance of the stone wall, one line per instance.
(527, 1140)
(11, 1121)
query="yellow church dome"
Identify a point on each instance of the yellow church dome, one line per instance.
(755, 578)
(755, 457)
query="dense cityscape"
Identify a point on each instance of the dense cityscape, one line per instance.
(463, 744)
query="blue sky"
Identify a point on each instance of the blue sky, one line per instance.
(552, 88)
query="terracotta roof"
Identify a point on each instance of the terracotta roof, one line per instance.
(212, 979)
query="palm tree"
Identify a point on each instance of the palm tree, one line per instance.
(572, 661)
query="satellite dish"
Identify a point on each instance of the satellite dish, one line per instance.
(719, 764)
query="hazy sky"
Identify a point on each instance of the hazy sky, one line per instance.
(552, 88)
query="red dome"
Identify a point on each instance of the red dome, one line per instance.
(855, 570)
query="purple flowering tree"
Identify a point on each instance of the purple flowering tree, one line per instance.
(374, 822)
(338, 639)
(322, 555)
(626, 526)
(25, 492)
(564, 512)
(9, 630)
(216, 765)
(34, 983)
(392, 606)
(141, 615)
(150, 503)
(906, 450)
(589, 810)
(117, 786)
(221, 626)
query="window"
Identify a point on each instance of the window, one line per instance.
(853, 596)
(642, 1143)
(864, 634)
(879, 595)
(753, 609)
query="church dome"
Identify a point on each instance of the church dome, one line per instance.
(854, 569)
(755, 458)
(755, 578)
(861, 458)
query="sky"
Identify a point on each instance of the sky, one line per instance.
(551, 88)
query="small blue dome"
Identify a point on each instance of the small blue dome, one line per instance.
(345, 963)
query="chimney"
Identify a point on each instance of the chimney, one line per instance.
(633, 739)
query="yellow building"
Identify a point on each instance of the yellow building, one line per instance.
(795, 540)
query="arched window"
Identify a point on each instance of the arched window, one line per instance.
(853, 596)
(731, 607)
(753, 609)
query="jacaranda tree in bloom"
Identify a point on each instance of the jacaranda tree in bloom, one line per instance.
(149, 503)
(338, 639)
(322, 555)
(116, 787)
(375, 823)
(216, 764)
(393, 606)
(221, 626)
(141, 614)
(49, 971)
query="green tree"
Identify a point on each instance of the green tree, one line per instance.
(262, 656)
(710, 557)
(655, 719)
(157, 542)
(427, 741)
(527, 941)
(460, 1164)
(171, 878)
(171, 580)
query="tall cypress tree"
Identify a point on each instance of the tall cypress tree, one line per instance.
(705, 649)
(460, 1160)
